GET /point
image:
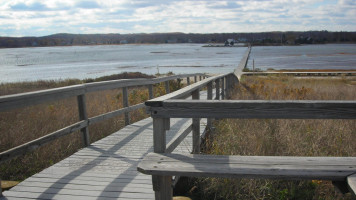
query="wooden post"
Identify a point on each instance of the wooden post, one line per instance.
(159, 134)
(167, 86)
(150, 91)
(188, 81)
(217, 87)
(195, 79)
(227, 86)
(83, 116)
(196, 127)
(125, 102)
(210, 90)
(223, 88)
(167, 123)
(210, 97)
(200, 78)
(162, 185)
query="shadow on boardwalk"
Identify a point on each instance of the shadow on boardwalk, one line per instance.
(104, 170)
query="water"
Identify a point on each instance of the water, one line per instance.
(53, 63)
(48, 63)
(330, 56)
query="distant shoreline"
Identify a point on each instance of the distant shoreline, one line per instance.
(207, 45)
(255, 39)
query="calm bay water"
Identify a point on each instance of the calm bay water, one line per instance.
(48, 63)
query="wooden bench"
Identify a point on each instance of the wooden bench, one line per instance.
(337, 169)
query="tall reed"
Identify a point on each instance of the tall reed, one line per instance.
(22, 125)
(281, 137)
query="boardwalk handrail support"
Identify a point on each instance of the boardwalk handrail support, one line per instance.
(9, 102)
(173, 106)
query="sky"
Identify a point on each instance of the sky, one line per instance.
(45, 17)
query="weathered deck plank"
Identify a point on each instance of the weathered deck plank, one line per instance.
(107, 169)
(274, 167)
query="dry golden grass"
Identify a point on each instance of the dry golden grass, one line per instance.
(22, 125)
(281, 137)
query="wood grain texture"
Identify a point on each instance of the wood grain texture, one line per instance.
(182, 93)
(34, 144)
(178, 139)
(165, 191)
(272, 167)
(9, 102)
(106, 169)
(256, 109)
(223, 88)
(345, 73)
(82, 110)
(196, 126)
(159, 135)
(351, 181)
(150, 91)
(125, 103)
(217, 89)
(115, 113)
(239, 70)
(166, 85)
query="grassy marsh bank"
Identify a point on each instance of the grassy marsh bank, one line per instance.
(22, 125)
(280, 137)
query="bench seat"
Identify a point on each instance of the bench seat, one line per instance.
(258, 167)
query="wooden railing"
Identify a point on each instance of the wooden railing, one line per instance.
(162, 165)
(171, 106)
(9, 102)
(223, 86)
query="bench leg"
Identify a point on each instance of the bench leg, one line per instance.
(162, 185)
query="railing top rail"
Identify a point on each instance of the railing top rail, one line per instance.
(300, 109)
(239, 70)
(184, 92)
(8, 102)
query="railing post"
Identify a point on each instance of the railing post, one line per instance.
(167, 86)
(162, 185)
(210, 97)
(150, 91)
(159, 134)
(223, 88)
(228, 86)
(195, 79)
(217, 87)
(188, 81)
(200, 78)
(210, 90)
(83, 116)
(125, 101)
(196, 127)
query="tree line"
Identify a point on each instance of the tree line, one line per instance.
(263, 38)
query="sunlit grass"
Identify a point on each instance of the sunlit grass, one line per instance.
(281, 137)
(22, 125)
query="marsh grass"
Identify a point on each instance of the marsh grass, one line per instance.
(22, 125)
(281, 137)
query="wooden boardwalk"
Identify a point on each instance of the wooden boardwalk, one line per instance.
(326, 73)
(107, 169)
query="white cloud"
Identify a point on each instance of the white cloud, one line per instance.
(35, 17)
